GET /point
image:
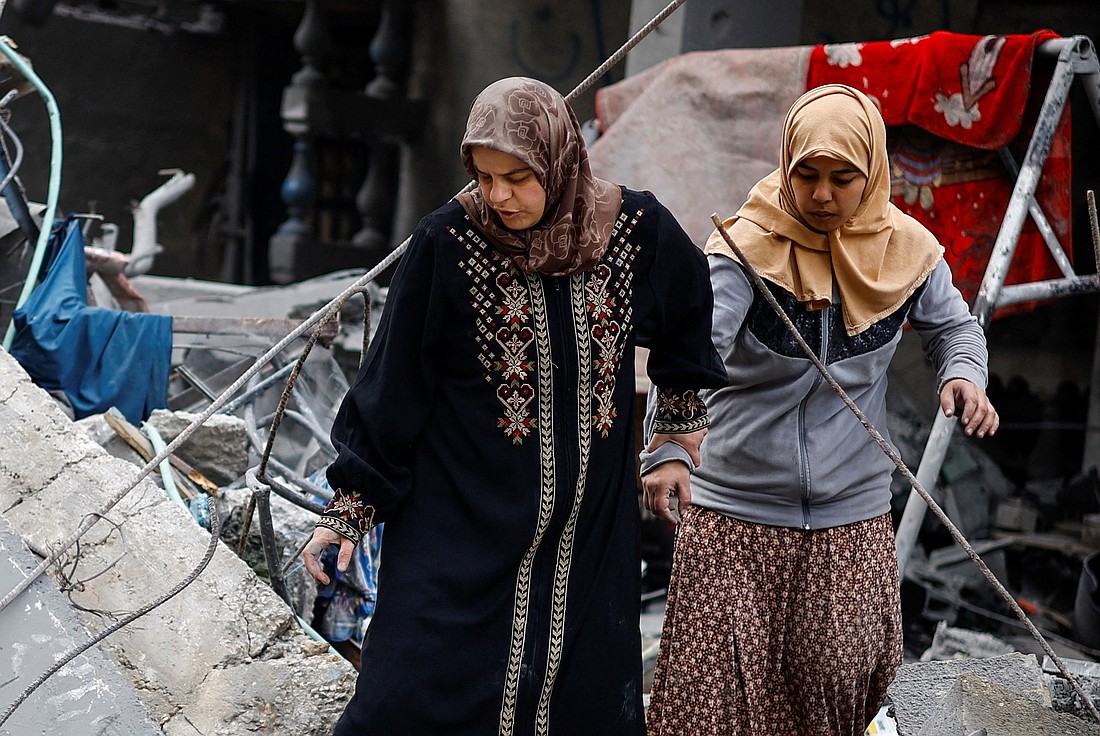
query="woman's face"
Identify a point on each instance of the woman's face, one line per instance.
(827, 191)
(510, 187)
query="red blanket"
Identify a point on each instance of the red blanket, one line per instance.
(951, 100)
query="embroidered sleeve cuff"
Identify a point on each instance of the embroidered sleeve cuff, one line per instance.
(679, 412)
(665, 453)
(347, 515)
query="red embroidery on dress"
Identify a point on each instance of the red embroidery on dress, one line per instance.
(608, 293)
(683, 411)
(514, 338)
(501, 299)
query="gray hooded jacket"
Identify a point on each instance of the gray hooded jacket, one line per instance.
(782, 448)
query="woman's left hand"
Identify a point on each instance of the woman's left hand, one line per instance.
(969, 401)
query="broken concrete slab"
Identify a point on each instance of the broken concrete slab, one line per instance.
(919, 687)
(226, 651)
(974, 705)
(88, 696)
(1063, 697)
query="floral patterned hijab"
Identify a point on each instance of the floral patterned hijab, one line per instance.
(877, 258)
(531, 121)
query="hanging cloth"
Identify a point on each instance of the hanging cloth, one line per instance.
(98, 357)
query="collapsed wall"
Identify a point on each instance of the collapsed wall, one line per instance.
(223, 657)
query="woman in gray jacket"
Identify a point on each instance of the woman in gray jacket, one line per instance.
(784, 610)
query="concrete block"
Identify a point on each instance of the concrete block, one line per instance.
(950, 642)
(218, 449)
(1014, 514)
(919, 687)
(974, 705)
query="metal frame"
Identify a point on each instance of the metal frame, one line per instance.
(1077, 59)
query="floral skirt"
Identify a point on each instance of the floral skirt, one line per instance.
(772, 630)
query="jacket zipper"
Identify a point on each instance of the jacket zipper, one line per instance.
(803, 454)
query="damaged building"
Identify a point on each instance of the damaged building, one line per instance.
(232, 170)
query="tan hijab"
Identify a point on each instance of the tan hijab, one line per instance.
(531, 121)
(878, 258)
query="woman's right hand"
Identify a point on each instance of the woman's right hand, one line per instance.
(322, 538)
(662, 484)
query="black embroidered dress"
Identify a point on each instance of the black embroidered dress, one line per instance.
(491, 428)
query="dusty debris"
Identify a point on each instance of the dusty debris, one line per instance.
(1063, 697)
(974, 705)
(212, 654)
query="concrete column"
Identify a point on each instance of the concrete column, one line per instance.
(665, 40)
(720, 24)
(460, 47)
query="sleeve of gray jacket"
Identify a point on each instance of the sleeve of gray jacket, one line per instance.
(950, 334)
(665, 452)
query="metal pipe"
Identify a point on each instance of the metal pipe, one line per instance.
(7, 47)
(1040, 219)
(1019, 293)
(255, 389)
(935, 450)
(309, 424)
(145, 247)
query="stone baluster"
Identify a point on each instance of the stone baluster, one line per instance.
(377, 198)
(294, 236)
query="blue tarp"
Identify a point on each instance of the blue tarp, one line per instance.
(98, 357)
